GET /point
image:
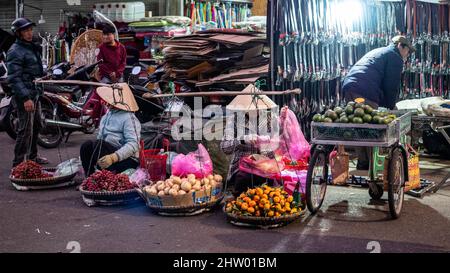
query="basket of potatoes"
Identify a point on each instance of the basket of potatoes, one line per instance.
(183, 196)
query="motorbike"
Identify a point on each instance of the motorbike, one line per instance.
(64, 108)
(148, 108)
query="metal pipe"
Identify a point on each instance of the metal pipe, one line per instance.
(62, 124)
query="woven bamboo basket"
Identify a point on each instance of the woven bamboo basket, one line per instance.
(189, 210)
(109, 198)
(43, 182)
(84, 48)
(262, 222)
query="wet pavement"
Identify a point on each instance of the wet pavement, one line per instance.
(57, 220)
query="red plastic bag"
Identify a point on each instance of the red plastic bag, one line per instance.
(261, 166)
(292, 141)
(198, 163)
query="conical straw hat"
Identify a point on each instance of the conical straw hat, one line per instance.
(122, 99)
(251, 102)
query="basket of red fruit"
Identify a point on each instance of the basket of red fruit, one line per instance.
(107, 188)
(30, 174)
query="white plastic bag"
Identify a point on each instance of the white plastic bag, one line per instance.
(68, 167)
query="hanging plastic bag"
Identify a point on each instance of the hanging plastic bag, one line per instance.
(413, 170)
(170, 157)
(68, 167)
(198, 163)
(261, 166)
(291, 178)
(140, 177)
(339, 165)
(292, 141)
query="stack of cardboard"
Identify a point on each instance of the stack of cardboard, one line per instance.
(205, 60)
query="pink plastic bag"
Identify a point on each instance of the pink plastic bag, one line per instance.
(198, 163)
(261, 166)
(291, 178)
(292, 141)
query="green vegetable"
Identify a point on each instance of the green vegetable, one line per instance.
(359, 112)
(349, 110)
(367, 118)
(357, 120)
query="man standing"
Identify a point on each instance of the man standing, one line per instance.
(114, 56)
(376, 76)
(24, 66)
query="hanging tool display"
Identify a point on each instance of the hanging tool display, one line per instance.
(315, 43)
(216, 14)
(54, 49)
(428, 71)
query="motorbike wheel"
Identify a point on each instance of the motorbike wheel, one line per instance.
(10, 122)
(49, 137)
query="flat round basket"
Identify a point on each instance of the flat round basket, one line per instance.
(185, 211)
(262, 222)
(43, 182)
(84, 48)
(109, 198)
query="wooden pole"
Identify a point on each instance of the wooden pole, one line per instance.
(222, 93)
(188, 94)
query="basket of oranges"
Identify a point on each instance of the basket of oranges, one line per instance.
(264, 207)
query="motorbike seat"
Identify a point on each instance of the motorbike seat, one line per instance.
(54, 88)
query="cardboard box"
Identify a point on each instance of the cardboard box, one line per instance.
(185, 200)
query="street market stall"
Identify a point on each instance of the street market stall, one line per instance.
(384, 132)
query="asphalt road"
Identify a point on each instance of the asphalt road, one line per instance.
(46, 221)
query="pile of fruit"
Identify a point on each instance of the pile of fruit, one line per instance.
(29, 170)
(176, 185)
(107, 181)
(355, 112)
(263, 201)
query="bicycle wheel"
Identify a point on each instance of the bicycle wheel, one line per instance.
(316, 180)
(396, 183)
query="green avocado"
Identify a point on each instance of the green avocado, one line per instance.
(359, 105)
(338, 110)
(350, 118)
(317, 118)
(367, 118)
(376, 119)
(331, 114)
(357, 120)
(343, 120)
(327, 120)
(349, 110)
(368, 109)
(359, 112)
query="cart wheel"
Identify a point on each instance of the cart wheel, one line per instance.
(378, 195)
(396, 183)
(316, 180)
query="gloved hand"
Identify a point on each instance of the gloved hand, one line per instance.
(106, 161)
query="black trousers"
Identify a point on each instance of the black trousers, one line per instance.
(242, 181)
(91, 151)
(29, 124)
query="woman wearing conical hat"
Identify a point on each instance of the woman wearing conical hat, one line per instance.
(117, 145)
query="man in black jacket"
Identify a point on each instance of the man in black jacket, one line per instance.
(24, 66)
(376, 77)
